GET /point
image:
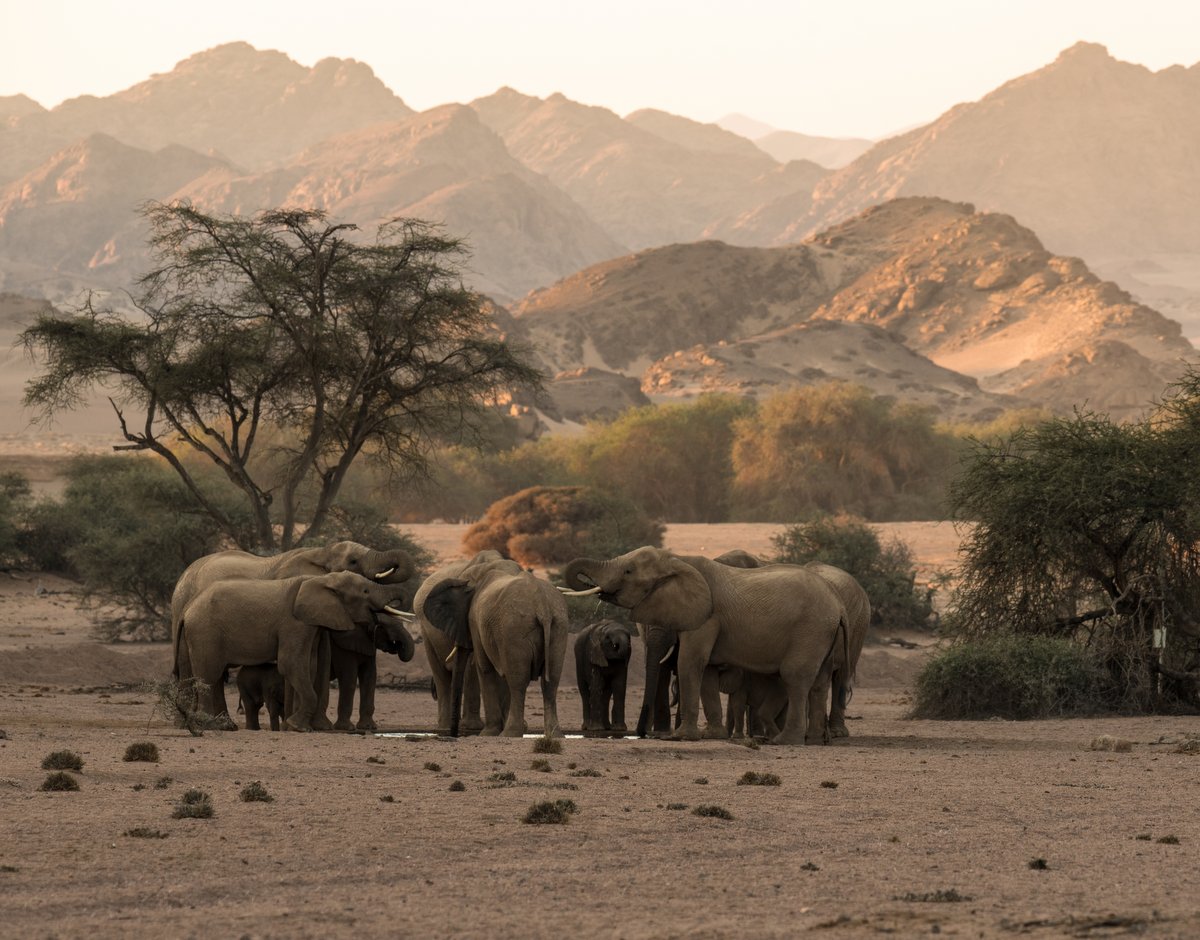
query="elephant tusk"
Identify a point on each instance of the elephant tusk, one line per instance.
(404, 614)
(589, 591)
(450, 658)
(668, 656)
(384, 574)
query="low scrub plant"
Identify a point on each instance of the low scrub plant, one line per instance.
(142, 751)
(544, 745)
(752, 778)
(546, 812)
(59, 781)
(255, 793)
(63, 760)
(712, 811)
(1014, 677)
(194, 804)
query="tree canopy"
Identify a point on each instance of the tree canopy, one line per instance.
(282, 347)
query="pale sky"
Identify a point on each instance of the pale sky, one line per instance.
(836, 67)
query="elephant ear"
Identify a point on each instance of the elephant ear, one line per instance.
(595, 651)
(680, 599)
(447, 607)
(320, 605)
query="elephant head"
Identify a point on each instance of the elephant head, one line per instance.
(448, 609)
(656, 586)
(607, 642)
(342, 600)
(392, 566)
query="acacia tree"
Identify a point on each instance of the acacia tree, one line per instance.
(282, 348)
(1087, 529)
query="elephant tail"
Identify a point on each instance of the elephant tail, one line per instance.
(845, 690)
(176, 643)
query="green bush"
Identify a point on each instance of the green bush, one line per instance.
(886, 572)
(1015, 677)
(14, 505)
(550, 525)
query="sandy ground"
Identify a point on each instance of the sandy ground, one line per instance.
(908, 828)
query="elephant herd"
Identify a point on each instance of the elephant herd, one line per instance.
(775, 638)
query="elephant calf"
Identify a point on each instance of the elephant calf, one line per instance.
(353, 663)
(258, 686)
(602, 652)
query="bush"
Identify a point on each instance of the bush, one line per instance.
(886, 572)
(255, 793)
(545, 745)
(63, 760)
(550, 525)
(752, 778)
(142, 751)
(59, 781)
(14, 506)
(1014, 677)
(194, 804)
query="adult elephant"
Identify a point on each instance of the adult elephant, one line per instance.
(781, 619)
(439, 646)
(845, 661)
(353, 663)
(387, 567)
(249, 622)
(513, 627)
(662, 658)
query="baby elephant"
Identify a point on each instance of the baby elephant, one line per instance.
(601, 663)
(259, 685)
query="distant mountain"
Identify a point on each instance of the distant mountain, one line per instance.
(1098, 156)
(832, 152)
(253, 107)
(744, 126)
(645, 187)
(974, 292)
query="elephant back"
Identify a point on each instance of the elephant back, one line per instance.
(205, 572)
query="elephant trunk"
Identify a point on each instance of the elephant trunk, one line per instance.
(462, 658)
(584, 573)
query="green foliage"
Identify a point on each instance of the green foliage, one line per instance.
(1087, 529)
(886, 572)
(15, 496)
(62, 760)
(546, 525)
(837, 448)
(128, 529)
(284, 333)
(1015, 677)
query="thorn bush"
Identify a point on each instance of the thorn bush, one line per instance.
(63, 760)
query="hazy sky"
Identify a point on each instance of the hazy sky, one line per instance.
(842, 68)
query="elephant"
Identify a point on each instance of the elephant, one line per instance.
(781, 618)
(513, 627)
(353, 663)
(438, 645)
(389, 567)
(260, 685)
(662, 657)
(248, 622)
(757, 702)
(602, 651)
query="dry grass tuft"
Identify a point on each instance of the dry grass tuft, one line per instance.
(63, 760)
(144, 832)
(546, 745)
(1106, 742)
(255, 793)
(712, 812)
(59, 782)
(142, 751)
(194, 804)
(550, 813)
(752, 778)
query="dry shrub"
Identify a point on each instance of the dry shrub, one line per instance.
(752, 778)
(59, 781)
(142, 751)
(544, 745)
(550, 813)
(144, 832)
(711, 811)
(63, 760)
(1106, 742)
(194, 804)
(255, 793)
(550, 525)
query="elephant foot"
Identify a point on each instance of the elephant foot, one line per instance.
(619, 728)
(290, 725)
(368, 724)
(838, 729)
(346, 725)
(512, 733)
(684, 733)
(321, 723)
(716, 732)
(489, 732)
(784, 738)
(473, 726)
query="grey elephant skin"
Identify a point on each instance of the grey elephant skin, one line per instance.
(602, 651)
(258, 686)
(248, 622)
(353, 662)
(782, 619)
(763, 694)
(513, 628)
(438, 645)
(388, 567)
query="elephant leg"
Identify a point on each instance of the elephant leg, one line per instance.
(345, 671)
(492, 687)
(472, 720)
(693, 657)
(662, 706)
(618, 701)
(514, 722)
(837, 707)
(710, 700)
(798, 679)
(367, 677)
(596, 709)
(275, 709)
(585, 699)
(735, 718)
(321, 673)
(296, 662)
(817, 730)
(441, 685)
(251, 704)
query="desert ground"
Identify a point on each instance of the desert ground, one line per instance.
(980, 829)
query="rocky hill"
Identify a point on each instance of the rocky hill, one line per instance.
(974, 292)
